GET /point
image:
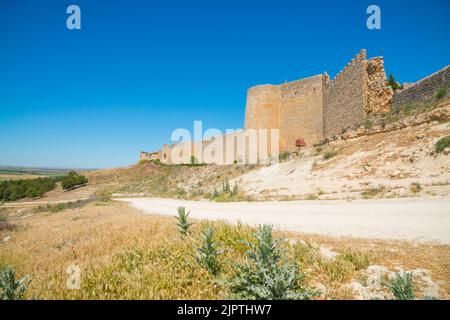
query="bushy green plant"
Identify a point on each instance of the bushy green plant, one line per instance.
(393, 84)
(183, 224)
(442, 92)
(73, 180)
(442, 144)
(226, 186)
(10, 288)
(415, 187)
(368, 124)
(207, 254)
(402, 286)
(226, 193)
(329, 154)
(284, 156)
(267, 274)
(373, 192)
(13, 190)
(360, 260)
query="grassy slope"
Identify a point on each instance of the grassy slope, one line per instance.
(183, 182)
(125, 255)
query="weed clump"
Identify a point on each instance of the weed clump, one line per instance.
(373, 192)
(415, 187)
(208, 253)
(368, 124)
(226, 193)
(442, 92)
(10, 288)
(402, 286)
(360, 260)
(284, 156)
(183, 224)
(329, 154)
(266, 273)
(442, 144)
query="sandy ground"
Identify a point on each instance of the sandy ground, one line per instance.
(420, 220)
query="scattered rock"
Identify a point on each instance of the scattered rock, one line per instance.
(365, 292)
(375, 275)
(406, 154)
(396, 174)
(420, 136)
(430, 288)
(6, 239)
(327, 253)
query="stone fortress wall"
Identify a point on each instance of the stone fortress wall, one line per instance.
(317, 107)
(423, 91)
(359, 90)
(344, 97)
(295, 108)
(311, 109)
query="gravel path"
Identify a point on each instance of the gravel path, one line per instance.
(420, 220)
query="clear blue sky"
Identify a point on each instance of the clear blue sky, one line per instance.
(139, 69)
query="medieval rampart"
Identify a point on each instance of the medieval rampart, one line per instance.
(344, 97)
(423, 91)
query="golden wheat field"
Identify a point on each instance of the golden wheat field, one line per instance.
(124, 254)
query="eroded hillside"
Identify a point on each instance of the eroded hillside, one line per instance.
(398, 163)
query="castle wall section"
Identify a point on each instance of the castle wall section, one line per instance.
(301, 112)
(378, 95)
(423, 91)
(262, 109)
(344, 97)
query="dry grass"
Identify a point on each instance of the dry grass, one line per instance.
(126, 255)
(176, 181)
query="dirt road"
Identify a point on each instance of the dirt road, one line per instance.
(421, 220)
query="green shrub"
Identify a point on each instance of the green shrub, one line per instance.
(267, 274)
(368, 124)
(359, 260)
(13, 190)
(336, 271)
(442, 144)
(392, 83)
(408, 108)
(226, 193)
(284, 156)
(441, 93)
(55, 208)
(207, 254)
(373, 192)
(183, 224)
(415, 187)
(329, 154)
(10, 288)
(73, 180)
(402, 286)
